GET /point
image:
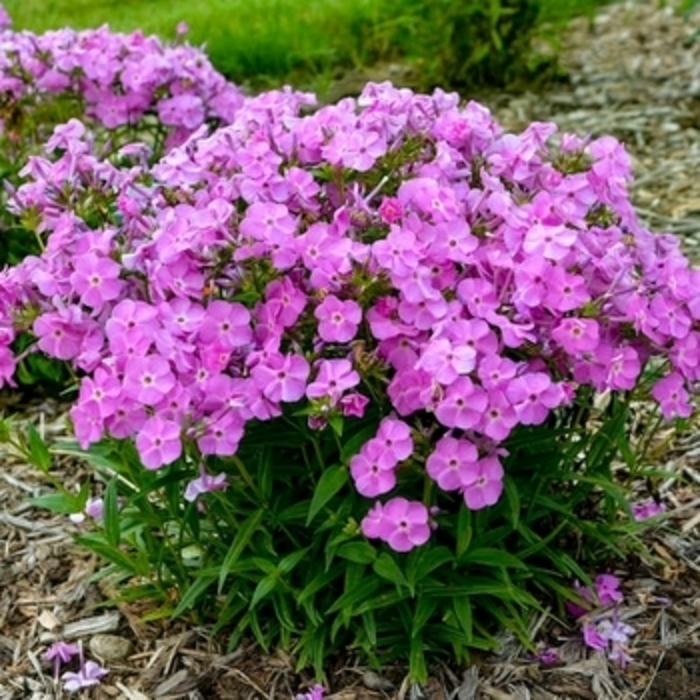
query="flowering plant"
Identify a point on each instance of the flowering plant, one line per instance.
(134, 88)
(386, 319)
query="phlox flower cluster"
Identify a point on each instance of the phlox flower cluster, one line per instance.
(89, 673)
(599, 617)
(396, 258)
(117, 79)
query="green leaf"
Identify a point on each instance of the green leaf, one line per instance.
(240, 541)
(359, 552)
(110, 519)
(193, 594)
(464, 530)
(369, 625)
(417, 669)
(425, 607)
(462, 607)
(426, 560)
(265, 586)
(336, 422)
(332, 480)
(63, 503)
(318, 583)
(386, 567)
(490, 556)
(512, 502)
(366, 589)
(126, 563)
(38, 452)
(291, 560)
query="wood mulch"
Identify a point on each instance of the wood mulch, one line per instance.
(635, 74)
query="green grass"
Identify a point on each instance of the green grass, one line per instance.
(259, 40)
(266, 43)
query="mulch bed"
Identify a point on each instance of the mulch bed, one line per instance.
(635, 74)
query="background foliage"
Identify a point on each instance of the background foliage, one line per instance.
(264, 43)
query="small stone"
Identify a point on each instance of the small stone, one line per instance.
(373, 681)
(110, 647)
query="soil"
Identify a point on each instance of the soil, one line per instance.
(634, 72)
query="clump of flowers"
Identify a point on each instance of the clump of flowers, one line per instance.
(599, 617)
(89, 673)
(115, 79)
(396, 259)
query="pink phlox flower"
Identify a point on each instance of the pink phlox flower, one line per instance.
(356, 149)
(221, 434)
(499, 418)
(61, 652)
(565, 291)
(390, 210)
(59, 333)
(96, 280)
(670, 316)
(482, 483)
(353, 404)
(158, 442)
(553, 242)
(592, 637)
(428, 196)
(577, 335)
(623, 368)
(372, 472)
(647, 509)
(445, 362)
(394, 436)
(384, 320)
(495, 372)
(478, 295)
(447, 461)
(398, 253)
(181, 317)
(100, 393)
(531, 282)
(685, 356)
(672, 395)
(89, 675)
(205, 483)
(401, 523)
(317, 692)
(533, 395)
(411, 390)
(281, 377)
(185, 110)
(513, 335)
(227, 323)
(334, 377)
(324, 252)
(288, 299)
(418, 286)
(147, 379)
(454, 241)
(607, 588)
(338, 320)
(422, 316)
(462, 405)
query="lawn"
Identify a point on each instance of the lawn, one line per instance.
(265, 43)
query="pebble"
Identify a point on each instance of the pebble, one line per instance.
(110, 647)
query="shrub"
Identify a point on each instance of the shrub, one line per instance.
(341, 369)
